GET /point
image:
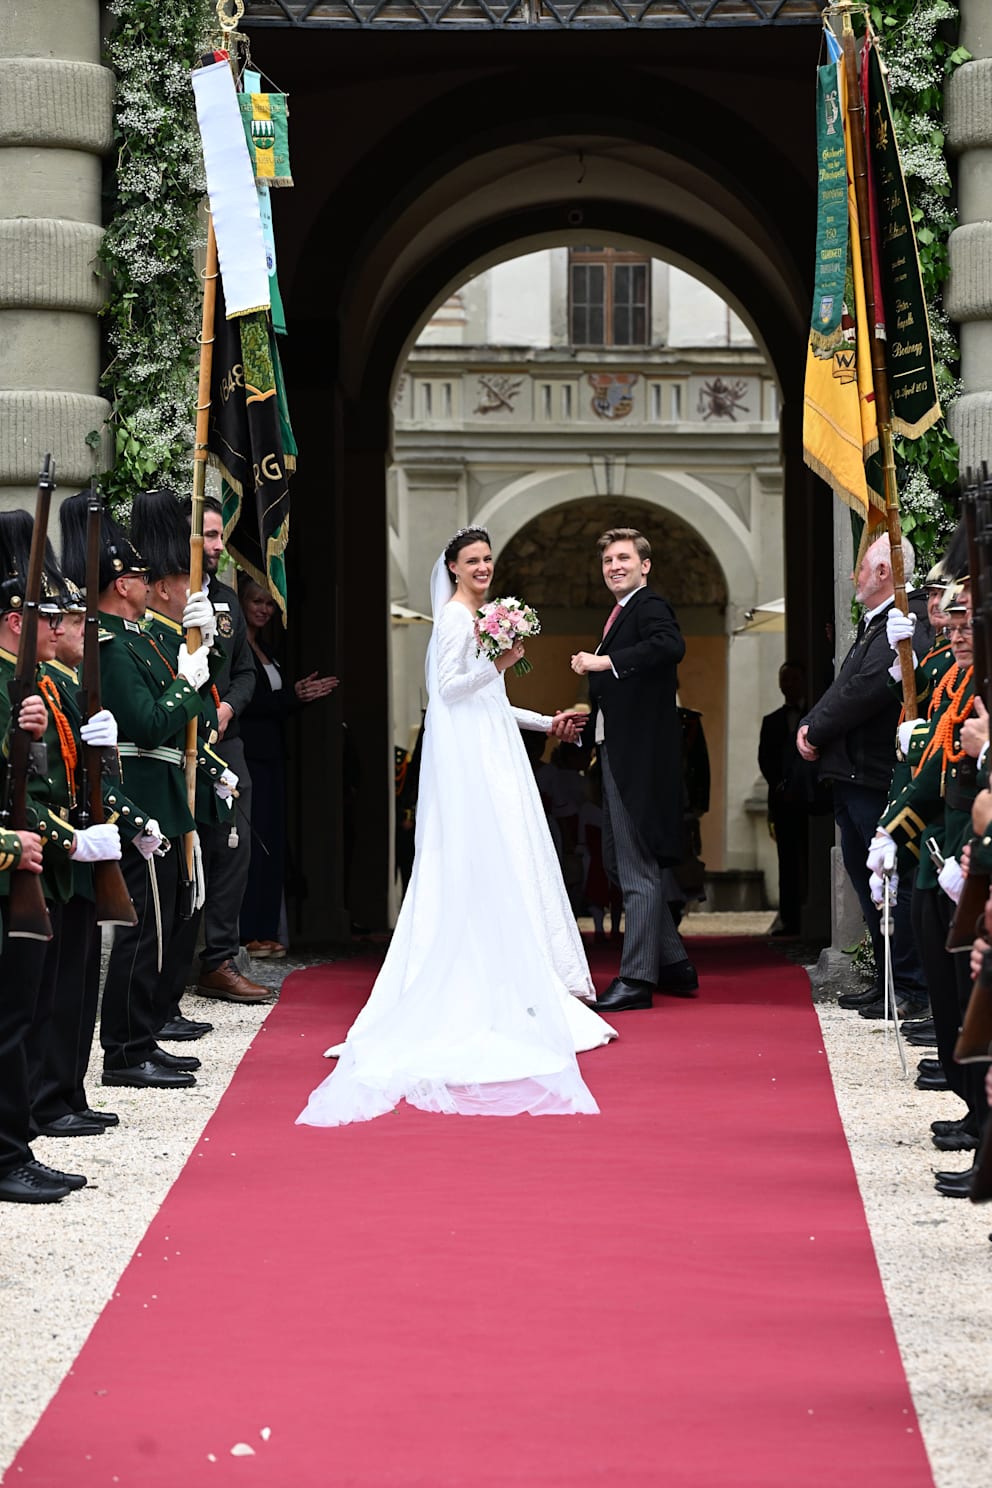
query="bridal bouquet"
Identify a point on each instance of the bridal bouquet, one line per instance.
(500, 624)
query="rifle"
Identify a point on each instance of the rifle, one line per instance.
(976, 504)
(113, 902)
(28, 913)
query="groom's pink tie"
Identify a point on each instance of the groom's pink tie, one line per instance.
(611, 617)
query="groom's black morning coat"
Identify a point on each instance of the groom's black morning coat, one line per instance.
(642, 730)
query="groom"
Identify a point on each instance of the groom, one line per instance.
(632, 687)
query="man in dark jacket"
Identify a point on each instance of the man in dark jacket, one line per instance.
(851, 732)
(638, 734)
(226, 847)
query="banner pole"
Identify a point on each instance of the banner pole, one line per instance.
(879, 366)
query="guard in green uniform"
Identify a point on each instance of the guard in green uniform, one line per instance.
(60, 1107)
(29, 967)
(159, 528)
(152, 704)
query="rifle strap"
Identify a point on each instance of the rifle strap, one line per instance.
(67, 739)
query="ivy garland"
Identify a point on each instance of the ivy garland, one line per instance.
(920, 57)
(154, 296)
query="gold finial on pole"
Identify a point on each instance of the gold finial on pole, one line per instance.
(229, 14)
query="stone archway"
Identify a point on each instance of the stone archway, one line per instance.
(458, 164)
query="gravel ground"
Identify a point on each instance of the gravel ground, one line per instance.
(60, 1263)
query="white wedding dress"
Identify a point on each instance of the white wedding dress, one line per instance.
(477, 1009)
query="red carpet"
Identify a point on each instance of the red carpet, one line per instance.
(678, 1292)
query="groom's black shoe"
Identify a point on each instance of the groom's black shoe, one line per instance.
(620, 996)
(680, 979)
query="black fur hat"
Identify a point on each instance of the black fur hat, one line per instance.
(16, 529)
(118, 556)
(161, 532)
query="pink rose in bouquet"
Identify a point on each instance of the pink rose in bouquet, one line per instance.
(500, 624)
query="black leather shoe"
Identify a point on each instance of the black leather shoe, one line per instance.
(955, 1185)
(858, 999)
(621, 996)
(73, 1180)
(956, 1141)
(73, 1124)
(179, 1029)
(919, 1031)
(942, 1128)
(929, 1067)
(169, 1061)
(149, 1076)
(678, 980)
(25, 1185)
(105, 1118)
(932, 1082)
(877, 1009)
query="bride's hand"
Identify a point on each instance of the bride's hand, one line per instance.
(511, 657)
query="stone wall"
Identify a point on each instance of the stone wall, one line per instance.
(56, 124)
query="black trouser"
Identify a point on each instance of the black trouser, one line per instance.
(857, 809)
(932, 914)
(135, 1002)
(177, 960)
(949, 980)
(262, 906)
(791, 839)
(58, 1076)
(225, 868)
(21, 966)
(51, 1023)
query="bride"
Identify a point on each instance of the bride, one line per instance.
(477, 1009)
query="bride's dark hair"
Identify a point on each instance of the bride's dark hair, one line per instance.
(463, 538)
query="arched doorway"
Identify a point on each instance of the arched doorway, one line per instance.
(453, 170)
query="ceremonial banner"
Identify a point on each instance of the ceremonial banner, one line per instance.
(231, 187)
(265, 117)
(251, 443)
(840, 429)
(898, 284)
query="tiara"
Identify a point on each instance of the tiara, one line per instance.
(464, 532)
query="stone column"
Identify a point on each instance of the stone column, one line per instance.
(56, 123)
(968, 295)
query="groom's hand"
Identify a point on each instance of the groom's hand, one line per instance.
(587, 661)
(568, 727)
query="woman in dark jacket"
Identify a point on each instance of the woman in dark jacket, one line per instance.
(263, 729)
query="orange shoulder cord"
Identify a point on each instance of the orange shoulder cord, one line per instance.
(67, 741)
(953, 685)
(172, 672)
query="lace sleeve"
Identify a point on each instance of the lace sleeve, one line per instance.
(538, 723)
(459, 671)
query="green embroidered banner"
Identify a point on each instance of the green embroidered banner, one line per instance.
(251, 443)
(832, 228)
(912, 383)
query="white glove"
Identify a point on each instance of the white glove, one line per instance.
(951, 879)
(193, 666)
(904, 733)
(199, 615)
(895, 670)
(97, 844)
(899, 627)
(876, 887)
(199, 881)
(879, 849)
(150, 840)
(101, 730)
(226, 785)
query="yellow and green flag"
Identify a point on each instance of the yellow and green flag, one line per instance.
(840, 429)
